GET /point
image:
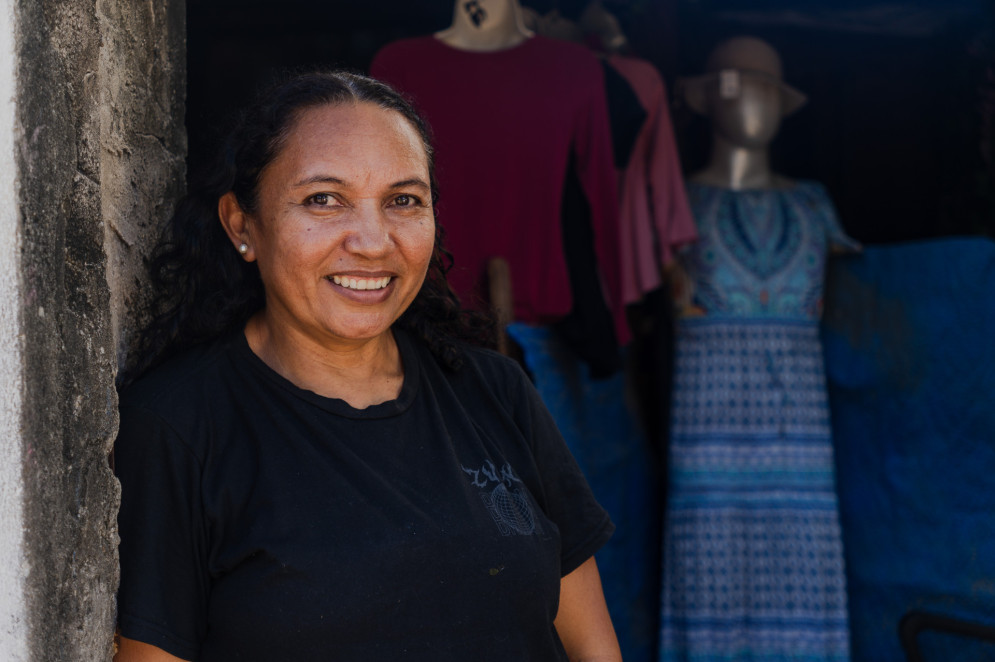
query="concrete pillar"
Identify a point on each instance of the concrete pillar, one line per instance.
(91, 160)
(13, 564)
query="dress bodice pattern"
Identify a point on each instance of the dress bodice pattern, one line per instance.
(761, 253)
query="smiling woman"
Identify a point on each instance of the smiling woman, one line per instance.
(316, 463)
(342, 233)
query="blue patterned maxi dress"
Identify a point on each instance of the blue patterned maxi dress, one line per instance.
(753, 561)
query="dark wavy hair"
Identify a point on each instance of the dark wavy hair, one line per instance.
(202, 288)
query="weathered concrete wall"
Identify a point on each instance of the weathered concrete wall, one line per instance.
(13, 565)
(99, 107)
(142, 102)
(68, 415)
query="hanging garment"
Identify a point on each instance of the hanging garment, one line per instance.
(505, 125)
(654, 217)
(588, 329)
(753, 559)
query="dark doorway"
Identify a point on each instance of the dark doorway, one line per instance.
(899, 124)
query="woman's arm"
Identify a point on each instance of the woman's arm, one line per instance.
(583, 623)
(129, 650)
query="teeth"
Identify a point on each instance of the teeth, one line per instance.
(362, 283)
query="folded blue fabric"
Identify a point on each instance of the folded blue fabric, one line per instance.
(909, 339)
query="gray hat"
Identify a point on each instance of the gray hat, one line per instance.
(750, 57)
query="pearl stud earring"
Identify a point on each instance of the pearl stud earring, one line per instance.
(243, 248)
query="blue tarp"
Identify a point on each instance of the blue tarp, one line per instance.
(909, 336)
(603, 434)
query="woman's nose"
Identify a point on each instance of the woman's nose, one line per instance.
(369, 233)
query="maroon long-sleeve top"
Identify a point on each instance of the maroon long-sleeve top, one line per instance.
(505, 124)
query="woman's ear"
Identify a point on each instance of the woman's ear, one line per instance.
(236, 224)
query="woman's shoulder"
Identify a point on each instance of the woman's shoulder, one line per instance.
(182, 380)
(480, 368)
(497, 372)
(492, 363)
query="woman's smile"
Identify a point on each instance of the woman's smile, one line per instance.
(361, 282)
(362, 289)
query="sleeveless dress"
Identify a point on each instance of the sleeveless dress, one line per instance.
(753, 559)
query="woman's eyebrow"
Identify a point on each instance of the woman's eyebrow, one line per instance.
(320, 179)
(328, 179)
(414, 181)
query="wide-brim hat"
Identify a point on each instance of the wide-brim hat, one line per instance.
(750, 57)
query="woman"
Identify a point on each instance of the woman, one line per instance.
(322, 469)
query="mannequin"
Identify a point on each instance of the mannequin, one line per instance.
(746, 104)
(485, 25)
(512, 114)
(587, 330)
(753, 559)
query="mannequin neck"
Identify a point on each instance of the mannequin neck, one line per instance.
(738, 168)
(491, 25)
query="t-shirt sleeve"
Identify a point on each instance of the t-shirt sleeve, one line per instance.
(836, 237)
(163, 551)
(568, 501)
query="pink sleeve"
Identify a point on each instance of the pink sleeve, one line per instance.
(672, 214)
(593, 148)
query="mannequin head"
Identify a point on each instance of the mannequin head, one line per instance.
(604, 26)
(749, 118)
(743, 92)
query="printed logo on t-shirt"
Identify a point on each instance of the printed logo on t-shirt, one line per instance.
(505, 498)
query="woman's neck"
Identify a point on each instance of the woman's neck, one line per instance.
(362, 373)
(496, 27)
(737, 168)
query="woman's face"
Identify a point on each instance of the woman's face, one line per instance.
(343, 231)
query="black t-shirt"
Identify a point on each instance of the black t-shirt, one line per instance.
(260, 521)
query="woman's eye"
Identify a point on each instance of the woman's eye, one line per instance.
(405, 200)
(320, 199)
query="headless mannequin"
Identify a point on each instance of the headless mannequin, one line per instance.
(744, 122)
(485, 25)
